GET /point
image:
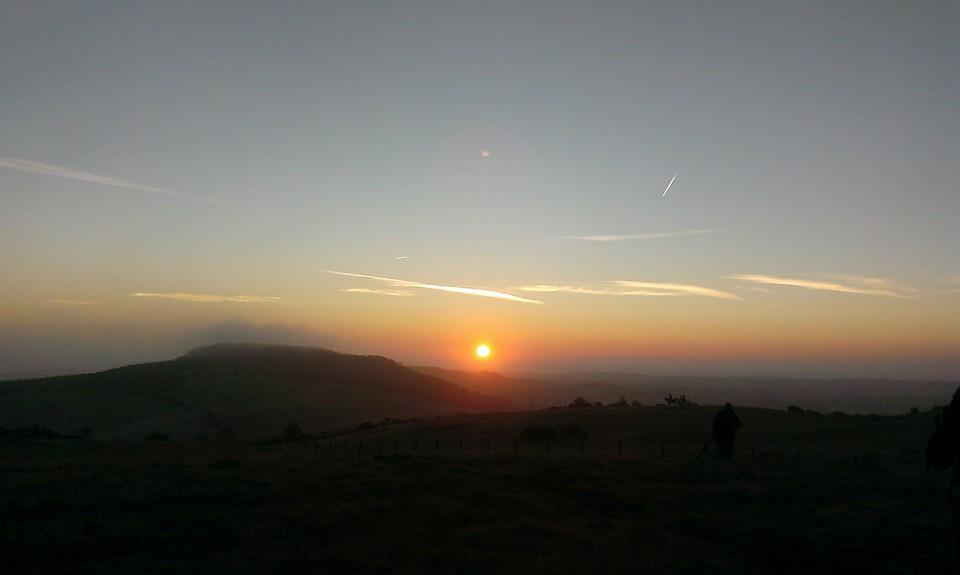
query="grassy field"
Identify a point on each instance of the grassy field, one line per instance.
(856, 499)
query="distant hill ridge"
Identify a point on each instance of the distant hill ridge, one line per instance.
(254, 389)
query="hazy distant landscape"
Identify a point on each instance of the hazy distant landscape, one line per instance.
(251, 391)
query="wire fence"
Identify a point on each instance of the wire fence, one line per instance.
(768, 456)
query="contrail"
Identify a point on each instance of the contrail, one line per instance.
(630, 237)
(814, 285)
(398, 283)
(42, 169)
(670, 184)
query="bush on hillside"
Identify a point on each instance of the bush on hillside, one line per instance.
(580, 402)
(292, 431)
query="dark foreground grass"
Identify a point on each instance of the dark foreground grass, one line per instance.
(88, 507)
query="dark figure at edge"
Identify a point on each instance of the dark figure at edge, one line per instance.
(725, 425)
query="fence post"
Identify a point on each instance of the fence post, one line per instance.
(487, 442)
(516, 446)
(415, 445)
(581, 448)
(461, 447)
(663, 450)
(753, 454)
(619, 447)
(438, 446)
(548, 447)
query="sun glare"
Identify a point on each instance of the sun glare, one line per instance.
(483, 351)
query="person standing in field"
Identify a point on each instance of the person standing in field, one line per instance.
(725, 425)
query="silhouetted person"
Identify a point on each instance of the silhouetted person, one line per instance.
(943, 452)
(725, 425)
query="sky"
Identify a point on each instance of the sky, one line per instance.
(666, 187)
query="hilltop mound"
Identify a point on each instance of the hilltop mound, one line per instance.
(236, 389)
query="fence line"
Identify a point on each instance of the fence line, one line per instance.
(765, 455)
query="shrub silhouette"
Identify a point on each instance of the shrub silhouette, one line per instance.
(580, 402)
(292, 431)
(794, 409)
(679, 401)
(157, 436)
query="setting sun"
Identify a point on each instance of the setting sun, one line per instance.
(482, 351)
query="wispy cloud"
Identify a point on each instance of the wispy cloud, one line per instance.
(402, 258)
(952, 283)
(944, 292)
(547, 288)
(651, 288)
(208, 298)
(72, 302)
(391, 292)
(393, 282)
(632, 288)
(60, 172)
(876, 283)
(632, 237)
(867, 286)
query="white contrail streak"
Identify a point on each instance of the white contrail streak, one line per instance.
(670, 184)
(631, 237)
(42, 169)
(391, 292)
(814, 285)
(632, 288)
(393, 282)
(208, 298)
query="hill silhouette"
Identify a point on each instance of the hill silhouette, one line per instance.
(235, 390)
